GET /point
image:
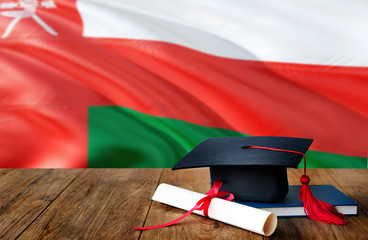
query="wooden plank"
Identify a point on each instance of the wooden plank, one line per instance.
(349, 181)
(99, 204)
(194, 226)
(303, 227)
(25, 193)
(353, 183)
(107, 203)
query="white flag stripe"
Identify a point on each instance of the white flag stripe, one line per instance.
(314, 32)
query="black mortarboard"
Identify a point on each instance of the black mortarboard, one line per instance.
(250, 174)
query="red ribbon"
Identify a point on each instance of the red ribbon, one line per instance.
(202, 205)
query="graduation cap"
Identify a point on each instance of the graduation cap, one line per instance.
(250, 174)
(254, 169)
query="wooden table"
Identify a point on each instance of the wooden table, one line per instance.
(107, 203)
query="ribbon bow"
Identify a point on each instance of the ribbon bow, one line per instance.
(202, 205)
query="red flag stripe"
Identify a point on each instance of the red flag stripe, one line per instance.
(257, 98)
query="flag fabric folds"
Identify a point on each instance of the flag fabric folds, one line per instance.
(94, 83)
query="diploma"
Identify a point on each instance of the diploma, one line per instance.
(242, 216)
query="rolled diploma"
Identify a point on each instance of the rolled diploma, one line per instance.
(242, 216)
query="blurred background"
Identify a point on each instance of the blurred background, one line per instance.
(138, 83)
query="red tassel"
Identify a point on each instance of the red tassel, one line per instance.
(313, 208)
(316, 209)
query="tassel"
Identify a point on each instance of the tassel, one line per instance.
(313, 208)
(316, 209)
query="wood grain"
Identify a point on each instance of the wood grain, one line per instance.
(25, 194)
(194, 226)
(345, 180)
(100, 204)
(356, 187)
(107, 203)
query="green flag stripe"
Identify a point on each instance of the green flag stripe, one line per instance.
(124, 138)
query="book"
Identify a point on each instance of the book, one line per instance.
(292, 206)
